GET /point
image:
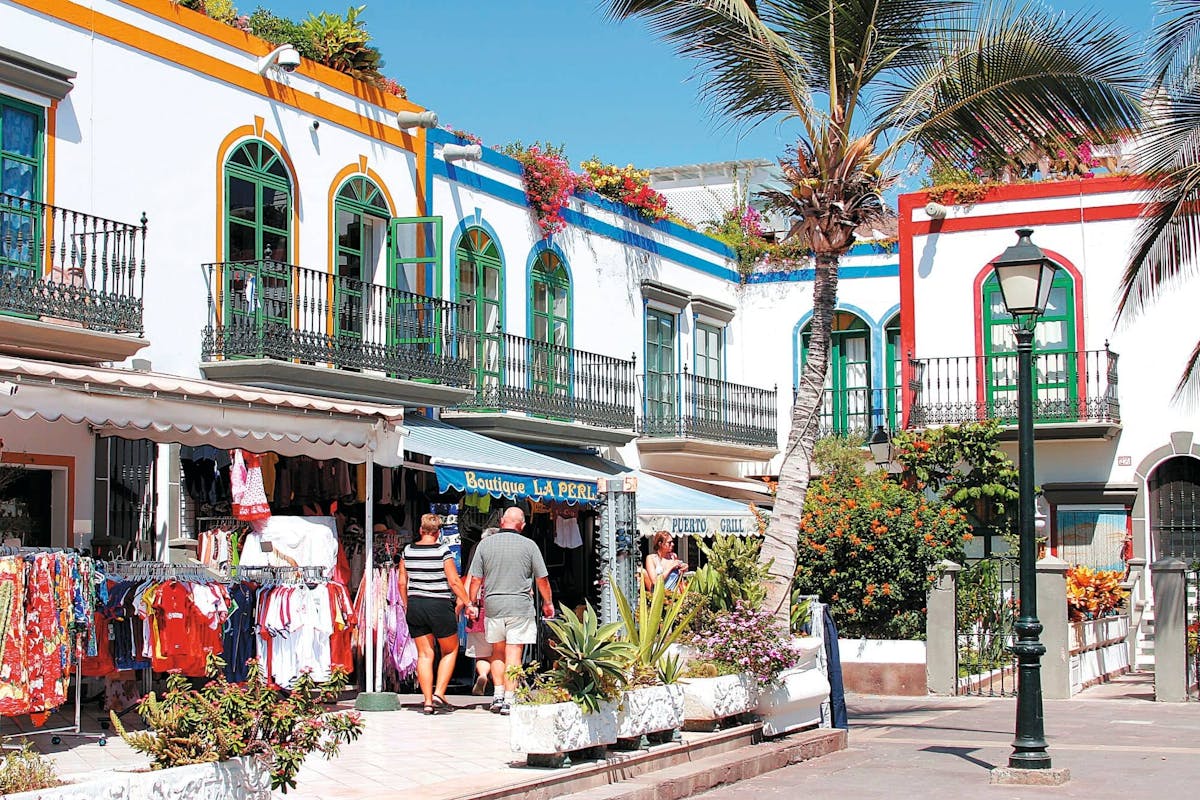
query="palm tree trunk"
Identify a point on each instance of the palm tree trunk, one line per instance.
(780, 544)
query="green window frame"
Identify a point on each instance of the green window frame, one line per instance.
(661, 389)
(1056, 369)
(22, 171)
(708, 365)
(480, 289)
(846, 403)
(415, 266)
(361, 219)
(550, 314)
(258, 235)
(895, 371)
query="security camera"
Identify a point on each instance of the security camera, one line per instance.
(286, 57)
(289, 59)
(936, 210)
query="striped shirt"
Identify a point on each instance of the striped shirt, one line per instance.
(425, 565)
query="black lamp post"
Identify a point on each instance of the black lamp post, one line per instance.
(881, 447)
(1025, 274)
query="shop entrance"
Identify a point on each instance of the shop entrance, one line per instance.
(26, 499)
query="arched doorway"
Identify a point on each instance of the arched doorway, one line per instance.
(1174, 489)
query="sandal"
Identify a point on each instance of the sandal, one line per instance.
(440, 702)
(428, 710)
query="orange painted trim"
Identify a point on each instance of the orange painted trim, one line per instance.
(48, 165)
(61, 462)
(136, 38)
(236, 136)
(252, 45)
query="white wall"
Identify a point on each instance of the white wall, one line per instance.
(36, 437)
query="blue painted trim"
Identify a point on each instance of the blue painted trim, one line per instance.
(482, 183)
(844, 273)
(665, 225)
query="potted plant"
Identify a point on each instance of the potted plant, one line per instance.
(573, 706)
(737, 650)
(652, 703)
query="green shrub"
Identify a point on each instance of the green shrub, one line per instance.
(867, 547)
(227, 720)
(592, 660)
(654, 627)
(733, 573)
(26, 770)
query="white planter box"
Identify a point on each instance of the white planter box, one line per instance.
(793, 701)
(236, 779)
(558, 728)
(650, 709)
(711, 699)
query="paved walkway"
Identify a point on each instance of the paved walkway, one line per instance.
(1114, 741)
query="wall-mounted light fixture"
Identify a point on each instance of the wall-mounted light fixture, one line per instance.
(462, 152)
(286, 57)
(416, 119)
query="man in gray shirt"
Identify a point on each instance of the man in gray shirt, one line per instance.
(509, 565)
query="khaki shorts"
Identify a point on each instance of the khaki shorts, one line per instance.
(513, 630)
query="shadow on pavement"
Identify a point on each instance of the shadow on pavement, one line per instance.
(962, 752)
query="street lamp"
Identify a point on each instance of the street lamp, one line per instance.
(881, 447)
(1025, 274)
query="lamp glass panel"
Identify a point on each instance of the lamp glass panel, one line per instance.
(1046, 279)
(1019, 285)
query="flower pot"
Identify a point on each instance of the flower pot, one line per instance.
(236, 779)
(650, 709)
(708, 700)
(793, 700)
(557, 728)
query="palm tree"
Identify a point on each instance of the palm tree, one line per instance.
(1167, 241)
(869, 84)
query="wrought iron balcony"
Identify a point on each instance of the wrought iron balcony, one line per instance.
(269, 309)
(1069, 387)
(854, 413)
(514, 373)
(58, 264)
(686, 406)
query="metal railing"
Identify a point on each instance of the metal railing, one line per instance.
(269, 309)
(515, 373)
(686, 406)
(62, 264)
(1078, 386)
(987, 606)
(852, 413)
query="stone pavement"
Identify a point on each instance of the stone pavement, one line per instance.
(1112, 737)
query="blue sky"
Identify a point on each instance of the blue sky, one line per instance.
(560, 71)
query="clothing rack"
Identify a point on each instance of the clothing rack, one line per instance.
(286, 574)
(206, 523)
(133, 570)
(75, 729)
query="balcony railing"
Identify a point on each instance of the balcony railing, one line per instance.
(65, 265)
(514, 373)
(850, 412)
(1070, 387)
(269, 309)
(686, 406)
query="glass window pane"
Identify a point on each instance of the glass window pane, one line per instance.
(560, 333)
(275, 247)
(1057, 304)
(20, 132)
(541, 329)
(491, 283)
(541, 302)
(348, 226)
(242, 242)
(241, 199)
(16, 179)
(274, 207)
(1051, 334)
(350, 266)
(491, 317)
(560, 302)
(466, 278)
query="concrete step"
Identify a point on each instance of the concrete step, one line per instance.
(692, 778)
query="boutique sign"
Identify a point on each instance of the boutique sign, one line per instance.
(504, 484)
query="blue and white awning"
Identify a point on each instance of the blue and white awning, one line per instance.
(470, 462)
(666, 506)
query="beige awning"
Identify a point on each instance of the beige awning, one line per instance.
(743, 489)
(192, 411)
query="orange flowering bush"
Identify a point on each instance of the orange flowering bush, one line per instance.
(867, 547)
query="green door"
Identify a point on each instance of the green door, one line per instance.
(21, 151)
(258, 277)
(1056, 373)
(894, 368)
(661, 391)
(846, 404)
(480, 275)
(550, 325)
(361, 215)
(415, 321)
(709, 370)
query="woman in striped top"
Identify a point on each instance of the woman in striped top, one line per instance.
(429, 584)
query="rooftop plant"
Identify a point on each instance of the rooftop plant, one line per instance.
(549, 182)
(627, 185)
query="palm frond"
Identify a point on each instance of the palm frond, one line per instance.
(1022, 75)
(1175, 56)
(1188, 391)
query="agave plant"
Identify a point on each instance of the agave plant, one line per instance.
(654, 628)
(592, 658)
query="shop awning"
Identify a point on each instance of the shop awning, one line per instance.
(170, 409)
(666, 506)
(743, 489)
(470, 462)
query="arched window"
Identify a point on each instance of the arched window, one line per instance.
(258, 236)
(1056, 368)
(21, 155)
(1175, 508)
(846, 406)
(550, 323)
(480, 277)
(894, 369)
(361, 219)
